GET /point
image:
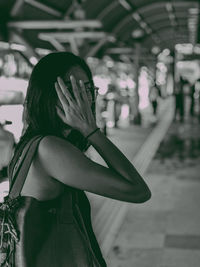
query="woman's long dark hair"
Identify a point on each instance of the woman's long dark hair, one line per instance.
(41, 99)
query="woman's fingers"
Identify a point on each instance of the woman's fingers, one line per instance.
(61, 114)
(84, 96)
(87, 104)
(76, 91)
(65, 93)
(60, 94)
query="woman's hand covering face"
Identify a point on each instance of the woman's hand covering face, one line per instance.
(76, 112)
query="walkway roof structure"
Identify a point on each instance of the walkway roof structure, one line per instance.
(91, 27)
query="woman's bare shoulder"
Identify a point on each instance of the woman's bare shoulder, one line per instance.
(55, 151)
(52, 143)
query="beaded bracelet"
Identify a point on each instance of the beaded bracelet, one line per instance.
(97, 129)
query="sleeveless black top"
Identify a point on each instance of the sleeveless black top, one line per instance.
(57, 232)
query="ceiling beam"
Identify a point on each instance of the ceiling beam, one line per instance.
(161, 4)
(154, 22)
(18, 38)
(74, 46)
(58, 46)
(154, 18)
(168, 32)
(109, 8)
(123, 22)
(120, 50)
(16, 7)
(124, 50)
(133, 11)
(64, 36)
(44, 8)
(125, 4)
(169, 40)
(54, 24)
(12, 46)
(96, 47)
(144, 9)
(167, 27)
(165, 23)
(69, 11)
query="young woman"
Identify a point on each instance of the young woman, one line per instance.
(60, 107)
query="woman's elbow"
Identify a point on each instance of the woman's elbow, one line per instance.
(141, 196)
(145, 196)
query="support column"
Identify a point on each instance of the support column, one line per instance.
(136, 113)
(174, 70)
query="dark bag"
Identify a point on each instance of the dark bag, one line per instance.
(9, 233)
(43, 233)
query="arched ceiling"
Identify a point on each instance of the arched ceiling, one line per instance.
(93, 27)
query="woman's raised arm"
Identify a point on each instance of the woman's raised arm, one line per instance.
(120, 180)
(64, 162)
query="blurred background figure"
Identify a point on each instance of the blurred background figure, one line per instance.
(197, 92)
(6, 149)
(154, 94)
(179, 100)
(192, 99)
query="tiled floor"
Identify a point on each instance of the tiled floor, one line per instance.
(165, 231)
(139, 144)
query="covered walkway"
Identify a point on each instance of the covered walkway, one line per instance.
(142, 54)
(165, 232)
(139, 144)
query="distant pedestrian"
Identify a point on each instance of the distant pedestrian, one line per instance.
(153, 97)
(192, 99)
(179, 99)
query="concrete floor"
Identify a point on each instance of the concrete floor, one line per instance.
(165, 231)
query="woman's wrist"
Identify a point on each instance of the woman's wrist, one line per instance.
(92, 132)
(86, 130)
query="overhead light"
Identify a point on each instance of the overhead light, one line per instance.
(184, 48)
(111, 39)
(143, 24)
(4, 45)
(166, 52)
(155, 50)
(18, 47)
(169, 7)
(193, 11)
(196, 50)
(137, 33)
(125, 4)
(13, 46)
(148, 30)
(172, 16)
(42, 51)
(136, 16)
(33, 60)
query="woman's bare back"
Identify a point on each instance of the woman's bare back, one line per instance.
(39, 185)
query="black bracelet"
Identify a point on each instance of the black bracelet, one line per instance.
(97, 129)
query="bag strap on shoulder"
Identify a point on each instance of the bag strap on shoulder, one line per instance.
(19, 175)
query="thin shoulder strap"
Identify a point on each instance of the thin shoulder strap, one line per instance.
(20, 158)
(23, 168)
